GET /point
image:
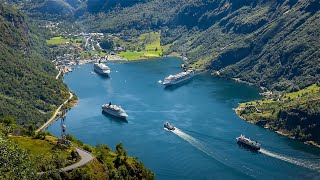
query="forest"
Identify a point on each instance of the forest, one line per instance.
(28, 89)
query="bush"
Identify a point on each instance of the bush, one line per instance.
(7, 120)
(87, 148)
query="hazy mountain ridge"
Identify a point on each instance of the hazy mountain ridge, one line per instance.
(70, 9)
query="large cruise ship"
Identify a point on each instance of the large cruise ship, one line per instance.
(114, 110)
(175, 79)
(254, 145)
(101, 68)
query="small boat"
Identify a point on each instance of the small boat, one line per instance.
(169, 126)
(247, 142)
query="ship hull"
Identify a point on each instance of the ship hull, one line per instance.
(243, 144)
(169, 128)
(115, 114)
(171, 83)
(102, 72)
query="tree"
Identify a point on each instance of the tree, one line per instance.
(120, 150)
(17, 162)
(7, 120)
(30, 130)
(106, 44)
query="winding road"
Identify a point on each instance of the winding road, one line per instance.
(58, 74)
(86, 157)
(53, 117)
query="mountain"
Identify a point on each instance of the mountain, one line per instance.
(50, 9)
(269, 43)
(273, 44)
(94, 6)
(29, 93)
(47, 9)
(293, 114)
(28, 89)
(68, 9)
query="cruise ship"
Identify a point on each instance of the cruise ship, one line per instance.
(178, 78)
(254, 145)
(101, 68)
(114, 110)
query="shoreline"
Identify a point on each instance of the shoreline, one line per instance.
(55, 115)
(280, 132)
(123, 60)
(265, 91)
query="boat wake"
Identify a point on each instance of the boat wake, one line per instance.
(197, 144)
(193, 141)
(299, 162)
(160, 82)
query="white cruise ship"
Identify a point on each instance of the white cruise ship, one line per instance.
(178, 78)
(114, 110)
(101, 68)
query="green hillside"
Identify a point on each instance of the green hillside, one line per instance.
(294, 114)
(272, 44)
(147, 45)
(28, 89)
(29, 93)
(268, 43)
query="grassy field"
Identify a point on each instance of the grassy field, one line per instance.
(143, 47)
(45, 153)
(129, 55)
(269, 108)
(309, 90)
(37, 146)
(60, 40)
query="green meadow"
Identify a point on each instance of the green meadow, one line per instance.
(58, 40)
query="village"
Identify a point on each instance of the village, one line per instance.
(76, 48)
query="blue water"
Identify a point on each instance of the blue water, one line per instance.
(203, 146)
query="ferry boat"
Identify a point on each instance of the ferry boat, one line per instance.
(101, 68)
(169, 126)
(114, 110)
(254, 145)
(178, 78)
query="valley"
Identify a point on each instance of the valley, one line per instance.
(269, 48)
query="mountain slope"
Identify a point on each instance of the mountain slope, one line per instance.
(294, 114)
(274, 44)
(28, 89)
(268, 43)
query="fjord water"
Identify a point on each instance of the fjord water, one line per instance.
(203, 145)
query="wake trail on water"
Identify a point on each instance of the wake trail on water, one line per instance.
(299, 162)
(197, 144)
